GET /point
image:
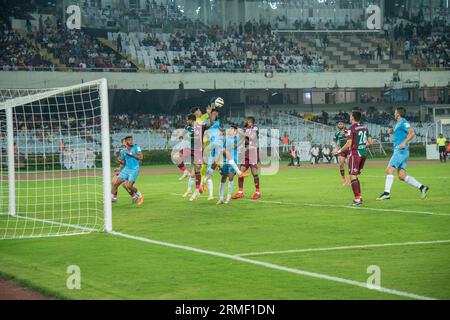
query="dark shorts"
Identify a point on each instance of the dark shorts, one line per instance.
(247, 165)
(188, 156)
(442, 149)
(356, 164)
(344, 154)
(251, 161)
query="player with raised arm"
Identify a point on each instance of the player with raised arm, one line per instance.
(357, 142)
(200, 118)
(403, 134)
(131, 155)
(341, 139)
(197, 146)
(250, 131)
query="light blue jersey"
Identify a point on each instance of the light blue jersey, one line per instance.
(215, 136)
(230, 145)
(131, 163)
(400, 133)
(400, 157)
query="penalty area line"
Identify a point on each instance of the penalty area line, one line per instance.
(363, 246)
(273, 266)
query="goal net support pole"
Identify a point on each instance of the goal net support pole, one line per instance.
(106, 158)
(10, 153)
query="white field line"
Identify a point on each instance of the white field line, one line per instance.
(379, 177)
(86, 229)
(363, 246)
(274, 266)
(340, 206)
(255, 262)
(417, 177)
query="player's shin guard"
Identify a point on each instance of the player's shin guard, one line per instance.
(256, 182)
(356, 187)
(413, 182)
(235, 167)
(389, 182)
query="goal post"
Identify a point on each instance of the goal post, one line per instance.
(55, 161)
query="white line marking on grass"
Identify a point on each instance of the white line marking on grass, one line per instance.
(58, 223)
(339, 206)
(250, 261)
(376, 209)
(363, 246)
(273, 266)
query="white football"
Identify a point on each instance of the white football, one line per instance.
(219, 102)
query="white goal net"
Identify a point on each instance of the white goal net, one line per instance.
(55, 161)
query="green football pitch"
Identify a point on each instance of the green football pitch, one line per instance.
(301, 240)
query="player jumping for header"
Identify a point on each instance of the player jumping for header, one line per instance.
(357, 142)
(217, 151)
(403, 134)
(131, 155)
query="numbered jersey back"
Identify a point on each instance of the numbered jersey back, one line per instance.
(359, 135)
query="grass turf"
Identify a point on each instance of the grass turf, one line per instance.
(285, 219)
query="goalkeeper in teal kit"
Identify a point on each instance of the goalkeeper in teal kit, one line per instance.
(132, 156)
(403, 134)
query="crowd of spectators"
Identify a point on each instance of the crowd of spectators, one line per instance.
(17, 53)
(126, 18)
(250, 47)
(426, 41)
(77, 49)
(146, 121)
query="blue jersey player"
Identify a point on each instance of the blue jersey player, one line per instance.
(230, 154)
(403, 134)
(132, 156)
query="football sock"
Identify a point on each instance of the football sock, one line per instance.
(181, 167)
(209, 174)
(235, 167)
(190, 183)
(389, 182)
(241, 184)
(256, 181)
(198, 180)
(221, 190)
(203, 172)
(210, 187)
(413, 182)
(342, 173)
(356, 189)
(230, 189)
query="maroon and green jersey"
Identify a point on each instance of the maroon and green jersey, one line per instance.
(359, 135)
(341, 137)
(190, 132)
